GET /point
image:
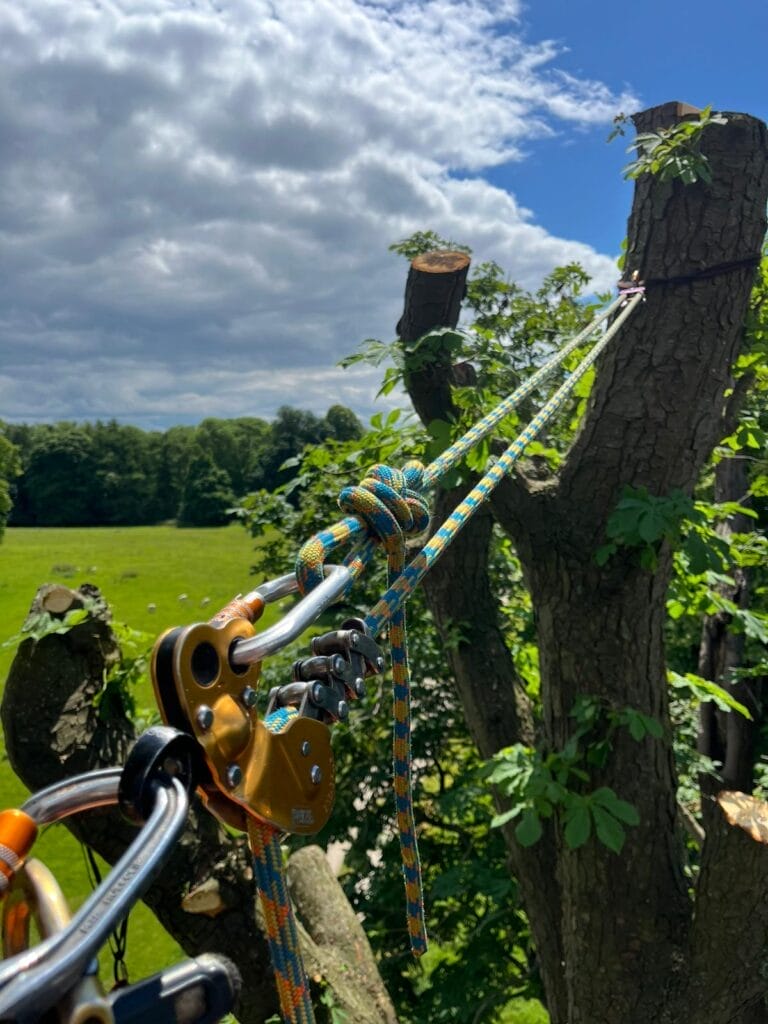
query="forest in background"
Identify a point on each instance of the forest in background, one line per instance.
(114, 474)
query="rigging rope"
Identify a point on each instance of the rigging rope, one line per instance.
(388, 506)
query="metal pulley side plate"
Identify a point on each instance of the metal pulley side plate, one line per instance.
(284, 778)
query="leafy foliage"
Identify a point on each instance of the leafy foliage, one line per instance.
(554, 784)
(207, 495)
(116, 474)
(10, 467)
(644, 521)
(674, 152)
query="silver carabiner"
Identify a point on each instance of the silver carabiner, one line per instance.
(337, 581)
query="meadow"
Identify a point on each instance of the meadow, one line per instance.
(152, 578)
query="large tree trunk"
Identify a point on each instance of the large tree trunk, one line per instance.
(205, 895)
(614, 933)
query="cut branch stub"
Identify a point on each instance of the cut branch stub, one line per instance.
(664, 116)
(433, 292)
(747, 813)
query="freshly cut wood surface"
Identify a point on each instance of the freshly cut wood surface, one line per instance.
(445, 262)
(749, 813)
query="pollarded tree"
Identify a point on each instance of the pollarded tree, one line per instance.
(619, 937)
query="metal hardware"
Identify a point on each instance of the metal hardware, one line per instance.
(246, 652)
(158, 755)
(36, 896)
(205, 678)
(316, 774)
(324, 683)
(204, 717)
(249, 697)
(35, 980)
(81, 793)
(200, 991)
(273, 590)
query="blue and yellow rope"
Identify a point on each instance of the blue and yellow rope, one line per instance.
(412, 575)
(388, 506)
(282, 933)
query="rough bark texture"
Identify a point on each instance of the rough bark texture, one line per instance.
(614, 932)
(433, 294)
(53, 731)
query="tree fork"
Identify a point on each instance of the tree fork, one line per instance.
(659, 404)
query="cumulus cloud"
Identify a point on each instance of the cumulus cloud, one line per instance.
(195, 200)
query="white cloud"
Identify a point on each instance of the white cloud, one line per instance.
(195, 202)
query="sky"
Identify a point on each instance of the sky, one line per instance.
(196, 198)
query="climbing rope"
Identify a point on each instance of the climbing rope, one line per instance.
(412, 575)
(387, 507)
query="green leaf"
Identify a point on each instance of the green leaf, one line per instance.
(609, 831)
(705, 690)
(652, 726)
(578, 826)
(604, 553)
(501, 819)
(636, 726)
(606, 798)
(529, 830)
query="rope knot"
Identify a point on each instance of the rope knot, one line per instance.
(390, 503)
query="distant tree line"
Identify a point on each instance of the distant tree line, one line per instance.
(113, 474)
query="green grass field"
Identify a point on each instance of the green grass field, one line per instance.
(153, 578)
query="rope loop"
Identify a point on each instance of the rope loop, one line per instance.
(390, 503)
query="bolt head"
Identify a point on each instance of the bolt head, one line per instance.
(249, 697)
(316, 774)
(343, 710)
(380, 664)
(317, 693)
(234, 775)
(359, 686)
(354, 639)
(305, 748)
(172, 766)
(339, 664)
(204, 717)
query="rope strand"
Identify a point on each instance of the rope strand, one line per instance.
(386, 507)
(412, 575)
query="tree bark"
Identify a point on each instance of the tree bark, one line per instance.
(614, 936)
(204, 896)
(728, 739)
(434, 291)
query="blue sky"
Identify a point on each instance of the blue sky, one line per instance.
(703, 53)
(196, 198)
